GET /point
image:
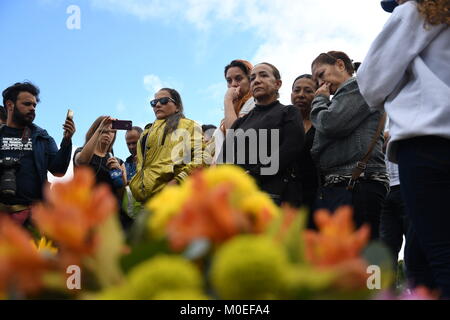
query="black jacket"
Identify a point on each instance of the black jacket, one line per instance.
(267, 143)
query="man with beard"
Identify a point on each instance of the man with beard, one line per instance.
(27, 152)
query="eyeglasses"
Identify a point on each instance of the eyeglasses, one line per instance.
(163, 101)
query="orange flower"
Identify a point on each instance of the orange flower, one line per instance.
(337, 240)
(21, 265)
(207, 214)
(72, 211)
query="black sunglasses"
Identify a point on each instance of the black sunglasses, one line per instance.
(163, 101)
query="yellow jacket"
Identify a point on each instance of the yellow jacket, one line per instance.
(163, 161)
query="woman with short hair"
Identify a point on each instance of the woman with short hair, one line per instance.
(268, 140)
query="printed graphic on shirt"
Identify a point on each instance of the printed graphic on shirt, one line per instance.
(15, 144)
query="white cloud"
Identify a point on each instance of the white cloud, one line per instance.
(291, 32)
(153, 83)
(215, 91)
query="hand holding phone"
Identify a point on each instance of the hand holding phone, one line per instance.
(69, 125)
(69, 114)
(121, 124)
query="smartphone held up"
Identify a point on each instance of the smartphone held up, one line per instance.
(121, 124)
(69, 114)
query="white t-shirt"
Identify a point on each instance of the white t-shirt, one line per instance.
(218, 135)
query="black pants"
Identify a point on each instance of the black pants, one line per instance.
(394, 222)
(424, 167)
(366, 200)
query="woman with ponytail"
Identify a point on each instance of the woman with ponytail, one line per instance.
(407, 72)
(346, 132)
(169, 149)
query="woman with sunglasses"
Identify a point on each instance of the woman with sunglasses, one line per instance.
(97, 153)
(238, 100)
(169, 149)
(345, 128)
(267, 141)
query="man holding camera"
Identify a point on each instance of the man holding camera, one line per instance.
(27, 152)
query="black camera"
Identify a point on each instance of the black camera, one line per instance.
(8, 167)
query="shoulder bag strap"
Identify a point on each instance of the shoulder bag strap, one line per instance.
(362, 164)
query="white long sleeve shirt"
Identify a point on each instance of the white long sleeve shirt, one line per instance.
(407, 70)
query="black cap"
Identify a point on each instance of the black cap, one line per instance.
(389, 5)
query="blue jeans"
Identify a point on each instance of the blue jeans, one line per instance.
(424, 167)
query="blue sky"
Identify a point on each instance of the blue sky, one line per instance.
(126, 49)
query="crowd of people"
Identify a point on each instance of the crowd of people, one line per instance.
(331, 147)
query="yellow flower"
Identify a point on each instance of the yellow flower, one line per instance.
(162, 273)
(45, 247)
(164, 206)
(244, 197)
(249, 267)
(242, 183)
(260, 207)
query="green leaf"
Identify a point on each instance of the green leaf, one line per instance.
(293, 238)
(143, 251)
(105, 262)
(138, 232)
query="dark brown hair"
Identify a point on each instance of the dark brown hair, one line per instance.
(331, 57)
(245, 66)
(173, 120)
(305, 76)
(275, 71)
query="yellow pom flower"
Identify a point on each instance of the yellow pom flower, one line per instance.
(164, 206)
(243, 183)
(163, 273)
(249, 267)
(255, 203)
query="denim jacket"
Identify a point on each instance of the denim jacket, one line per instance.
(345, 126)
(46, 154)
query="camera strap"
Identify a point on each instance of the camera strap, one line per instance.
(26, 135)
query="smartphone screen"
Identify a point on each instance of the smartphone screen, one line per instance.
(69, 114)
(121, 125)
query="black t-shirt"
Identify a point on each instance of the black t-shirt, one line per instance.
(29, 188)
(101, 171)
(102, 175)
